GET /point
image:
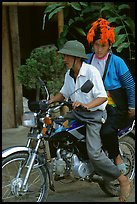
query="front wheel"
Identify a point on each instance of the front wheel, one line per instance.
(14, 169)
(127, 149)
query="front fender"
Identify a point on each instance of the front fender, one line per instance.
(12, 150)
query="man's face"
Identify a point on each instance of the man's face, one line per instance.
(69, 60)
(100, 49)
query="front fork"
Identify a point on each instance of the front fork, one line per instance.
(30, 161)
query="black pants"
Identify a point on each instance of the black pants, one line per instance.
(116, 119)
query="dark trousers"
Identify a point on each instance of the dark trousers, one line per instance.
(116, 119)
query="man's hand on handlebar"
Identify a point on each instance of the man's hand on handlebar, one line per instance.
(79, 105)
(50, 101)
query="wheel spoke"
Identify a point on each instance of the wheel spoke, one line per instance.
(13, 173)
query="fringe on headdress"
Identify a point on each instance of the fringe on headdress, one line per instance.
(101, 30)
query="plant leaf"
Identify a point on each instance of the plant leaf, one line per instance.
(76, 6)
(78, 18)
(118, 28)
(123, 6)
(130, 23)
(122, 46)
(113, 19)
(52, 7)
(64, 32)
(80, 30)
(55, 11)
(119, 40)
(107, 8)
(70, 21)
(91, 8)
(85, 4)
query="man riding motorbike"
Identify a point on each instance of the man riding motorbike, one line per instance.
(95, 102)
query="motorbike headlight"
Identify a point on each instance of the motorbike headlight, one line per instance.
(29, 119)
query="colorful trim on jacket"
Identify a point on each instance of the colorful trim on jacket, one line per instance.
(118, 76)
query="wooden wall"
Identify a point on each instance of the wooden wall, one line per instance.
(21, 33)
(8, 116)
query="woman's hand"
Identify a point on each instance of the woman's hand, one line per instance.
(131, 112)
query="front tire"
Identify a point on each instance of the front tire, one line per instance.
(127, 148)
(37, 186)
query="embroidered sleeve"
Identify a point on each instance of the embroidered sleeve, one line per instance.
(128, 83)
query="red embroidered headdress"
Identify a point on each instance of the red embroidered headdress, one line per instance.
(101, 30)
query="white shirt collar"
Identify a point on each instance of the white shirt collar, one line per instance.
(82, 70)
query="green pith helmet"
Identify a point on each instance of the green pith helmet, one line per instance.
(74, 48)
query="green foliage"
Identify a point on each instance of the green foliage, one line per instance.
(78, 17)
(46, 63)
(125, 27)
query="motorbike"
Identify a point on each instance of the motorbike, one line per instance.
(55, 151)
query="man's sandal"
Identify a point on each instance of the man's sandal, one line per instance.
(122, 167)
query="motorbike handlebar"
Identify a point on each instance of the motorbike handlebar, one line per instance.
(80, 108)
(69, 104)
(43, 105)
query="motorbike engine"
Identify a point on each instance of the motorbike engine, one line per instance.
(66, 163)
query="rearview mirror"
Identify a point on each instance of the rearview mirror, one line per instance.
(87, 86)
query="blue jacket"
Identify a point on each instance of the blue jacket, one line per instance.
(118, 77)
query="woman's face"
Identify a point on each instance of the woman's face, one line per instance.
(100, 49)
